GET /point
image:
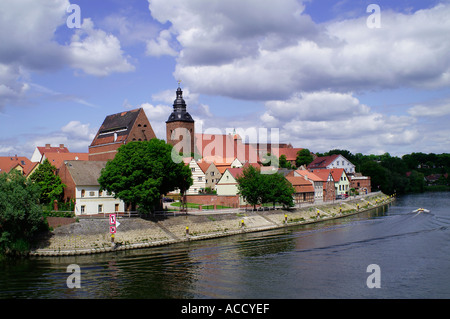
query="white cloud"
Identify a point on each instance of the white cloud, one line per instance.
(267, 51)
(161, 46)
(27, 36)
(96, 52)
(436, 109)
(157, 115)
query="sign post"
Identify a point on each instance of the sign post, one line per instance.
(113, 228)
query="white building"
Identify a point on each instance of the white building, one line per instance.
(332, 161)
(81, 180)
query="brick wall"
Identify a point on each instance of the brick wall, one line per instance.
(66, 178)
(230, 201)
(173, 126)
(329, 193)
(361, 185)
(103, 152)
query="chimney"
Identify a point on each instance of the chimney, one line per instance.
(61, 145)
(47, 145)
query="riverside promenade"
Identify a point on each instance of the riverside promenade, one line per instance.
(90, 236)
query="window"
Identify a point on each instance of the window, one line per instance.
(193, 169)
(199, 178)
(83, 209)
(100, 193)
(212, 173)
(83, 192)
(100, 208)
(92, 194)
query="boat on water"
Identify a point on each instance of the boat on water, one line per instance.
(421, 210)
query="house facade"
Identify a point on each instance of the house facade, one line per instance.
(341, 181)
(332, 161)
(81, 180)
(360, 183)
(212, 174)
(316, 181)
(228, 185)
(329, 191)
(198, 178)
(304, 189)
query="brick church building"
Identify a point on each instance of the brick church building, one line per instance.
(117, 130)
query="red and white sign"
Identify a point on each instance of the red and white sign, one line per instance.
(112, 219)
(112, 229)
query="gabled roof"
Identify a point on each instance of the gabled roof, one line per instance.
(323, 174)
(53, 149)
(7, 163)
(309, 175)
(204, 166)
(116, 127)
(300, 184)
(337, 173)
(235, 172)
(85, 173)
(322, 161)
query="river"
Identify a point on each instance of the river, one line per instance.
(323, 260)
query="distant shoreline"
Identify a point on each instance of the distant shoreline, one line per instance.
(91, 236)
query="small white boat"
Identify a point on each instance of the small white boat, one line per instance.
(421, 210)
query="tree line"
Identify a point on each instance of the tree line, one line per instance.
(401, 175)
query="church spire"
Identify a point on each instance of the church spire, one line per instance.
(179, 108)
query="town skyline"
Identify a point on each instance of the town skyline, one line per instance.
(315, 70)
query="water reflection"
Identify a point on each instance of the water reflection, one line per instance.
(326, 260)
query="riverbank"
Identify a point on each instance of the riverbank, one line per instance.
(89, 236)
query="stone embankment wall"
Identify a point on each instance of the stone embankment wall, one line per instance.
(92, 235)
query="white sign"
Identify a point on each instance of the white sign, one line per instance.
(117, 223)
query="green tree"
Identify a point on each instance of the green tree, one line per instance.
(277, 190)
(249, 185)
(379, 176)
(257, 188)
(416, 182)
(50, 184)
(20, 213)
(141, 172)
(283, 162)
(304, 157)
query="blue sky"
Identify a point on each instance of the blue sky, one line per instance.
(314, 70)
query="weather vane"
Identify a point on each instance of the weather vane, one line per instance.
(179, 82)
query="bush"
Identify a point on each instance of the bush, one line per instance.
(21, 215)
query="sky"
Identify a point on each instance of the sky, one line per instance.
(366, 76)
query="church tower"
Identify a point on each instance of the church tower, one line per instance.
(180, 126)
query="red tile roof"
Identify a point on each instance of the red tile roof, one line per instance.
(322, 174)
(57, 159)
(235, 172)
(300, 184)
(203, 166)
(7, 163)
(322, 162)
(52, 149)
(309, 175)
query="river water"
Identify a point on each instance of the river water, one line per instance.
(324, 260)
